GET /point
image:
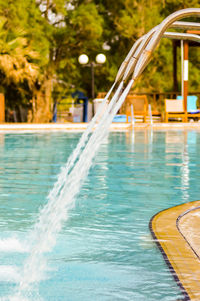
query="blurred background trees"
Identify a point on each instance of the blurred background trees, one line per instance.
(41, 40)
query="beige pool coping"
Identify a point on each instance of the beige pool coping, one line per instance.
(82, 126)
(176, 231)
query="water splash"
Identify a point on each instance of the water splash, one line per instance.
(9, 274)
(62, 197)
(12, 244)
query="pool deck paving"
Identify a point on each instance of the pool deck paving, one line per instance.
(176, 232)
(82, 126)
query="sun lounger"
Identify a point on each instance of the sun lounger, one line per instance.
(140, 106)
(192, 110)
(174, 108)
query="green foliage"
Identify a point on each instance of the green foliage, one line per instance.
(41, 40)
(86, 22)
(22, 51)
(135, 18)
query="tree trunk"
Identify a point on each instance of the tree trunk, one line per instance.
(42, 104)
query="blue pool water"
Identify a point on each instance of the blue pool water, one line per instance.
(105, 250)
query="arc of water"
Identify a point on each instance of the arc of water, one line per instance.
(55, 212)
(83, 140)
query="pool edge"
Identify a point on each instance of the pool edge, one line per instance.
(156, 226)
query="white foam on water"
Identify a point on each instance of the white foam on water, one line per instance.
(20, 298)
(14, 298)
(9, 274)
(13, 244)
(62, 197)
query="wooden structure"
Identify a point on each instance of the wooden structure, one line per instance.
(193, 115)
(2, 108)
(174, 108)
(185, 45)
(140, 106)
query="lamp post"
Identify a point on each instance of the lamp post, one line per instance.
(100, 59)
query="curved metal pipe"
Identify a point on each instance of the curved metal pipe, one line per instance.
(145, 57)
(136, 55)
(182, 36)
(127, 59)
(171, 35)
(131, 57)
(185, 25)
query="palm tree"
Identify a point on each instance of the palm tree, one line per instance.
(16, 56)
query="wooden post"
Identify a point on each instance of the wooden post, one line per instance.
(175, 81)
(2, 108)
(185, 76)
(92, 75)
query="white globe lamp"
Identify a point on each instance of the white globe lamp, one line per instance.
(100, 58)
(83, 59)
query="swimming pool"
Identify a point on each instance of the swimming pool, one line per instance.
(105, 251)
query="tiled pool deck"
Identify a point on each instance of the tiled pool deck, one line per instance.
(83, 126)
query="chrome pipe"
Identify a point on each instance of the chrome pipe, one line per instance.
(127, 59)
(136, 55)
(182, 36)
(185, 25)
(128, 65)
(146, 55)
(172, 35)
